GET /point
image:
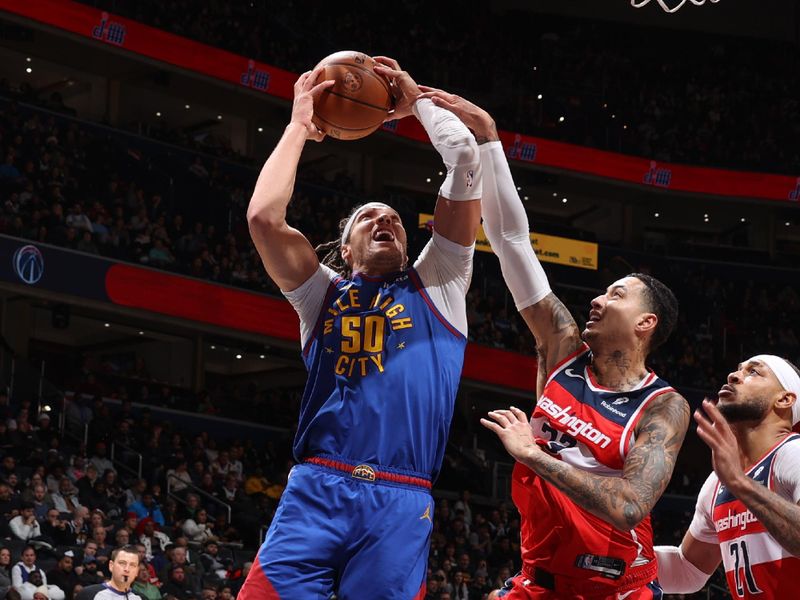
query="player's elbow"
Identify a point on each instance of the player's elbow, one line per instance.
(466, 151)
(261, 219)
(632, 514)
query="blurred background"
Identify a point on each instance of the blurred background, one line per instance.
(140, 335)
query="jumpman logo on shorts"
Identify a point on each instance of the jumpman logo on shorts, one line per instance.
(426, 514)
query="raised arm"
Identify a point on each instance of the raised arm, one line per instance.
(506, 225)
(779, 515)
(458, 209)
(287, 255)
(621, 501)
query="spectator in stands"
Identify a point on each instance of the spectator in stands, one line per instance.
(79, 524)
(225, 593)
(97, 518)
(176, 585)
(97, 499)
(99, 458)
(147, 507)
(9, 507)
(41, 501)
(5, 571)
(192, 574)
(122, 537)
(57, 530)
(199, 529)
(215, 566)
(86, 483)
(129, 524)
(41, 593)
(154, 541)
(229, 492)
(64, 575)
(134, 493)
(209, 592)
(24, 526)
(21, 572)
(65, 500)
(207, 484)
(115, 493)
(7, 467)
(221, 466)
(43, 431)
(189, 510)
(37, 585)
(143, 587)
(90, 574)
(103, 552)
(77, 468)
(179, 478)
(78, 219)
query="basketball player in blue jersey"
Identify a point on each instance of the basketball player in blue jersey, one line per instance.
(602, 441)
(383, 343)
(749, 507)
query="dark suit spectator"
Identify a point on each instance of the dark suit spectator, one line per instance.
(177, 585)
(56, 529)
(64, 575)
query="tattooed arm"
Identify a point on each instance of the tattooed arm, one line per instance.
(778, 515)
(621, 501)
(556, 332)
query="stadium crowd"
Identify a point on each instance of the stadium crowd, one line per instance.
(52, 192)
(65, 506)
(670, 99)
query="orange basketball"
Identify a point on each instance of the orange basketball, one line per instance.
(357, 104)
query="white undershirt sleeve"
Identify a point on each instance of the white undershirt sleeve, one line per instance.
(506, 226)
(786, 472)
(307, 299)
(445, 269)
(702, 525)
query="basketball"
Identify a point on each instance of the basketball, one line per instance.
(357, 104)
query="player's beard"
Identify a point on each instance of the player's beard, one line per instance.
(752, 409)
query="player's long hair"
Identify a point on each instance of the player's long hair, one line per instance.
(330, 253)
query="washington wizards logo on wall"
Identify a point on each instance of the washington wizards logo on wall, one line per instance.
(28, 264)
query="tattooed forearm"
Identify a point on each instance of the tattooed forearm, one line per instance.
(625, 501)
(555, 330)
(778, 515)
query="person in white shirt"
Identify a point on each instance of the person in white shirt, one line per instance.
(748, 509)
(25, 526)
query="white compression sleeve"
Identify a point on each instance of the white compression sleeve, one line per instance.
(676, 574)
(506, 226)
(458, 149)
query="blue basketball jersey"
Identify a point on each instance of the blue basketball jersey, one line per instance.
(384, 367)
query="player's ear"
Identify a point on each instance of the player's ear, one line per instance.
(646, 322)
(347, 254)
(786, 400)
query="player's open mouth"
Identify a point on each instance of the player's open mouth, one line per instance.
(594, 317)
(383, 235)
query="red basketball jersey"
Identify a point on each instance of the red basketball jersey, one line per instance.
(756, 565)
(591, 428)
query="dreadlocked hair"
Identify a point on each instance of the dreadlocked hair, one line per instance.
(330, 253)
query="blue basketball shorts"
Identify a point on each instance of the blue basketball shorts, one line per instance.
(356, 530)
